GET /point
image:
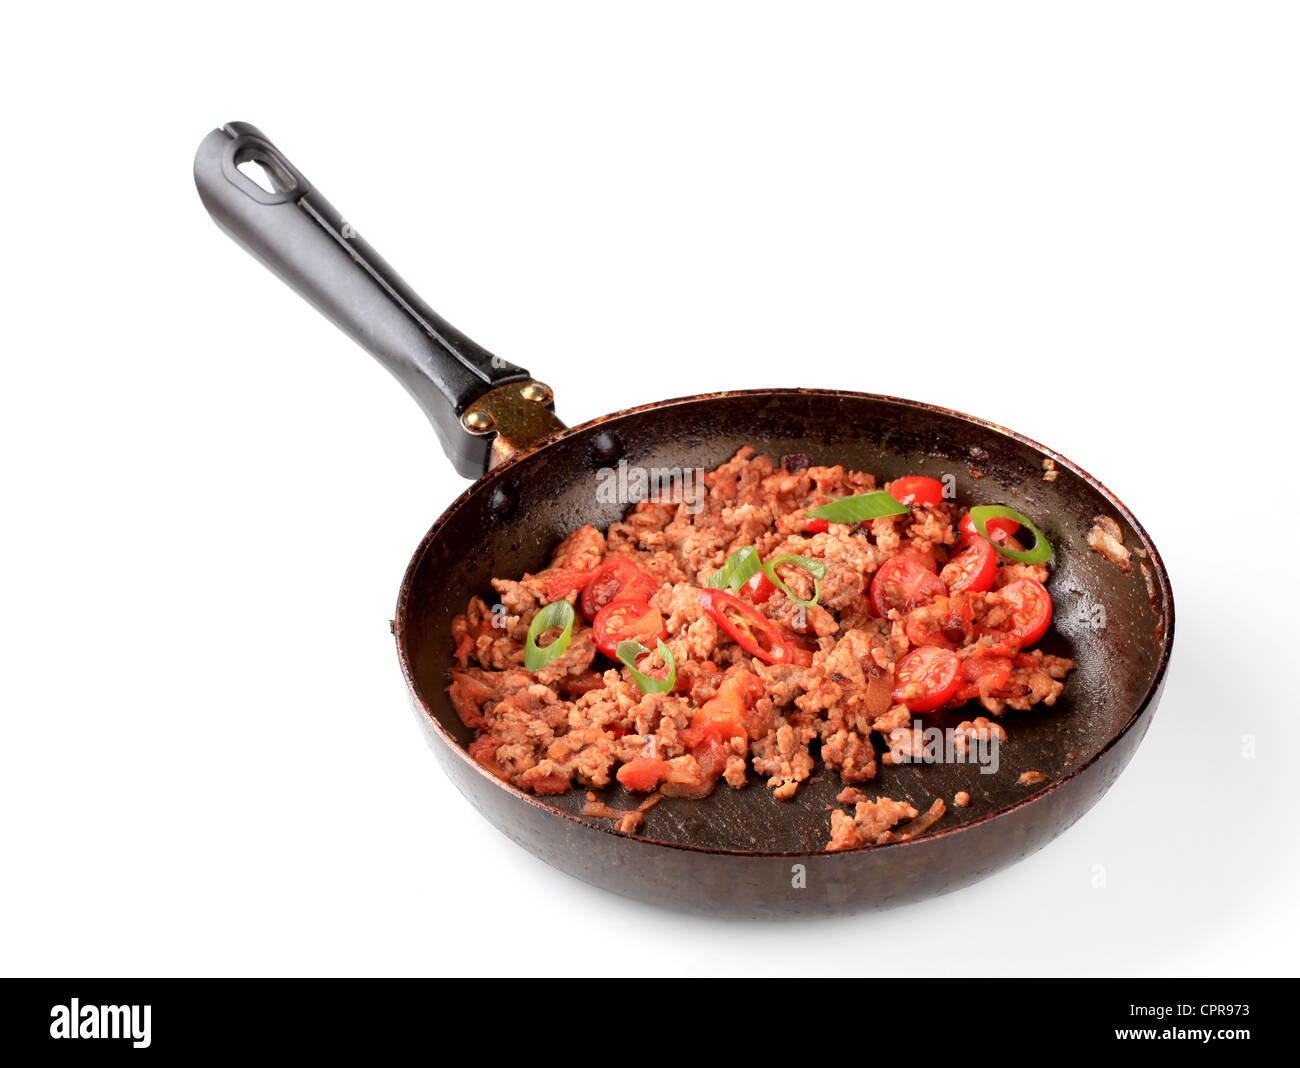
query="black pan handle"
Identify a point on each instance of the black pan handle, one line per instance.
(482, 407)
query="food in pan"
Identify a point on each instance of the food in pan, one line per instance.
(784, 612)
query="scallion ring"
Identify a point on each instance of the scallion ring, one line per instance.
(859, 509)
(814, 567)
(555, 614)
(735, 571)
(628, 654)
(982, 513)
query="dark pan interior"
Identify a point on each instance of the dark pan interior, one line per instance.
(509, 522)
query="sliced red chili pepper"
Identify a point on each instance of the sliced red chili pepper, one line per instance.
(817, 526)
(759, 588)
(618, 578)
(753, 632)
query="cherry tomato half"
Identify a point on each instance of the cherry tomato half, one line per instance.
(627, 621)
(618, 578)
(916, 489)
(753, 632)
(973, 569)
(926, 678)
(998, 527)
(945, 621)
(1030, 606)
(904, 583)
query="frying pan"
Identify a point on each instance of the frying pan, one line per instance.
(735, 853)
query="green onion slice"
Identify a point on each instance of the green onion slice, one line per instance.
(628, 654)
(858, 509)
(555, 614)
(814, 567)
(735, 571)
(982, 513)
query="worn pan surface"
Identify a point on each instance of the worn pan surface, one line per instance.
(736, 852)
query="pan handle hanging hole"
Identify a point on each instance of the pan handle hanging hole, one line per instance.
(258, 164)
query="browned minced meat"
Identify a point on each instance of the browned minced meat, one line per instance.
(962, 799)
(1031, 778)
(580, 719)
(1106, 538)
(869, 825)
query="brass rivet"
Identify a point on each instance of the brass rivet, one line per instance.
(535, 392)
(479, 422)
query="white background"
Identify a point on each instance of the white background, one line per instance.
(1080, 221)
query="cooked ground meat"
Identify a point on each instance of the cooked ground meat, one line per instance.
(773, 680)
(1106, 538)
(869, 825)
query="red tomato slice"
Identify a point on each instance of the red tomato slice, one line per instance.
(627, 621)
(564, 580)
(726, 714)
(998, 527)
(904, 583)
(945, 621)
(926, 678)
(981, 675)
(817, 526)
(484, 750)
(923, 557)
(643, 773)
(618, 578)
(754, 633)
(1030, 606)
(916, 489)
(759, 588)
(973, 569)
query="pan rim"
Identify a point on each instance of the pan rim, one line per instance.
(445, 737)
